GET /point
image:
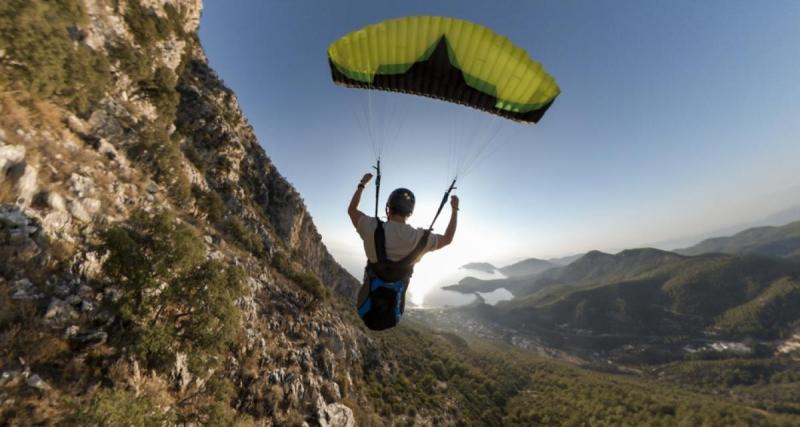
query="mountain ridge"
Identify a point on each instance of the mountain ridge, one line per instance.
(780, 241)
(527, 267)
(483, 267)
(592, 265)
(685, 296)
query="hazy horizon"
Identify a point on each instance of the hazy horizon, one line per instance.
(674, 243)
(674, 120)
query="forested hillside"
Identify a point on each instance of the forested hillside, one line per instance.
(672, 296)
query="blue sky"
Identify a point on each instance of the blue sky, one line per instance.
(675, 118)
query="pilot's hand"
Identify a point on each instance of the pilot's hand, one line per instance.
(366, 178)
(454, 202)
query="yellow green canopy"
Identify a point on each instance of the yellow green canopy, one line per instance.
(445, 58)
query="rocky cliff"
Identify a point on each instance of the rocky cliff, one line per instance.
(108, 112)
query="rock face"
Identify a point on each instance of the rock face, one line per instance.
(67, 174)
(210, 113)
(22, 243)
(335, 415)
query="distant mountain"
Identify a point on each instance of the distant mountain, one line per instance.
(484, 267)
(527, 267)
(599, 266)
(779, 218)
(782, 242)
(783, 217)
(469, 285)
(565, 260)
(592, 267)
(661, 294)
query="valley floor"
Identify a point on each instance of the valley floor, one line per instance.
(616, 388)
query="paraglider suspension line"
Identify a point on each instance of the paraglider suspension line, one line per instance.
(444, 200)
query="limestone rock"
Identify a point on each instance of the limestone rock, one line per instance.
(74, 300)
(180, 372)
(331, 392)
(88, 338)
(105, 25)
(105, 148)
(326, 363)
(334, 414)
(55, 222)
(25, 290)
(10, 378)
(81, 185)
(171, 52)
(86, 292)
(59, 312)
(14, 219)
(87, 306)
(21, 241)
(37, 382)
(78, 211)
(91, 267)
(71, 331)
(55, 202)
(294, 390)
(113, 293)
(192, 9)
(152, 187)
(91, 205)
(62, 290)
(76, 125)
(10, 155)
(104, 124)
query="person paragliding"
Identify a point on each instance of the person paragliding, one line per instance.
(437, 57)
(392, 248)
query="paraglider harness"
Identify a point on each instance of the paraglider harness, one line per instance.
(383, 293)
(382, 297)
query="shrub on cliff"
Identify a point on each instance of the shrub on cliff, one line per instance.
(308, 282)
(172, 299)
(147, 27)
(246, 237)
(209, 202)
(121, 407)
(162, 156)
(37, 39)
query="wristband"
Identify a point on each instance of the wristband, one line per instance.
(361, 186)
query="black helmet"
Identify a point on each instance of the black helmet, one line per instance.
(401, 201)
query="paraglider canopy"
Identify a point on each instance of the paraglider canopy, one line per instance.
(445, 58)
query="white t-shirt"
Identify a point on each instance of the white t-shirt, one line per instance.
(401, 238)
